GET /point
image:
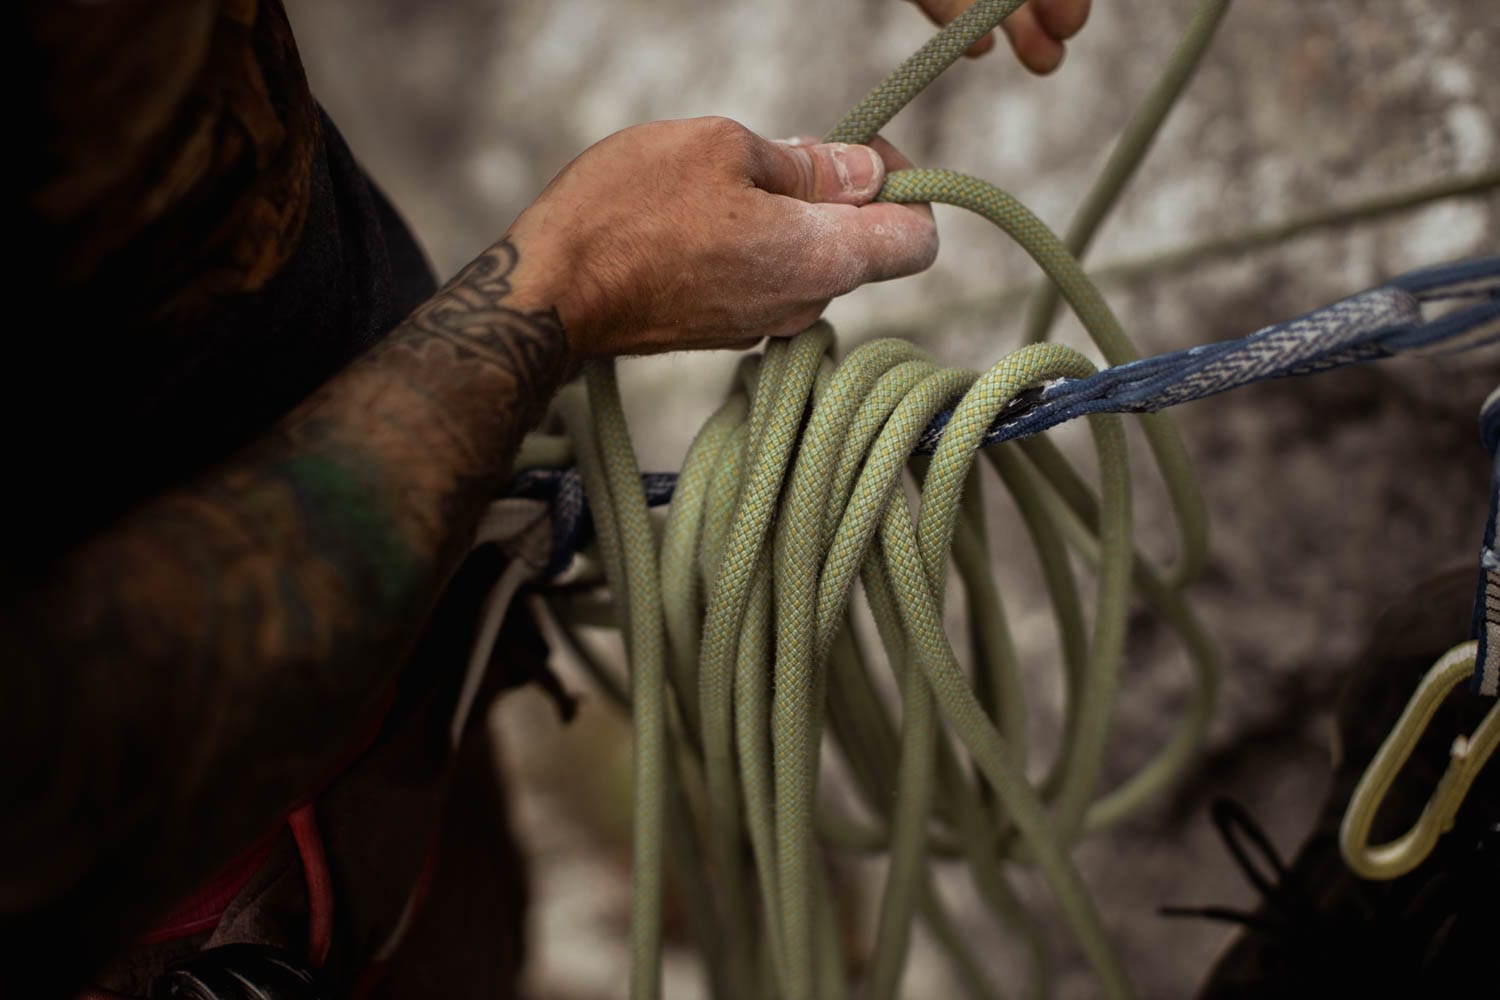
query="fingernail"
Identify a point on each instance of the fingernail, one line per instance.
(795, 140)
(857, 167)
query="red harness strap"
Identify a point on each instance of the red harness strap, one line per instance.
(204, 909)
(304, 824)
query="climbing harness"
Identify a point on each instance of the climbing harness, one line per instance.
(737, 610)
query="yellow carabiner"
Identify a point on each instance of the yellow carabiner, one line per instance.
(1468, 757)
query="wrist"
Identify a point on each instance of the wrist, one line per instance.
(549, 275)
(492, 333)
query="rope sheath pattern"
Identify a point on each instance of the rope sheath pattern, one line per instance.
(744, 649)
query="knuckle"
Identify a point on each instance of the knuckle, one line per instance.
(727, 138)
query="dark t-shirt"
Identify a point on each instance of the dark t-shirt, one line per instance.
(202, 251)
(233, 260)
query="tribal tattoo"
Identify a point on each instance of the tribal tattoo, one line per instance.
(243, 625)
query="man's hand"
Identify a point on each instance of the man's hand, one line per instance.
(1036, 31)
(699, 233)
(269, 602)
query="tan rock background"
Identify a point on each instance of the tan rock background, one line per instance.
(1329, 495)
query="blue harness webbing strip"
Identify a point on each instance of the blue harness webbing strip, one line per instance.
(1379, 323)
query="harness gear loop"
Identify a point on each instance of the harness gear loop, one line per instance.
(1467, 758)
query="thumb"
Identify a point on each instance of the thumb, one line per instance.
(819, 172)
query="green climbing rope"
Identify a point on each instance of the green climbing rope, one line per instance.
(1133, 145)
(742, 646)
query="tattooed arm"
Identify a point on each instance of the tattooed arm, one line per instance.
(196, 668)
(178, 680)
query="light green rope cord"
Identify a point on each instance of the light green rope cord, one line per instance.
(1076, 513)
(683, 606)
(797, 687)
(771, 445)
(988, 307)
(997, 675)
(604, 466)
(792, 491)
(1083, 755)
(1062, 591)
(684, 853)
(1098, 319)
(939, 52)
(1130, 149)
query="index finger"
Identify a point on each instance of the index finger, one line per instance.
(840, 247)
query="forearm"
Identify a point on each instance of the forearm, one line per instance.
(189, 673)
(246, 625)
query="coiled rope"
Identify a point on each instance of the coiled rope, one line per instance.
(739, 632)
(738, 622)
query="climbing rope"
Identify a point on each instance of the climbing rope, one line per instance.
(1132, 147)
(739, 621)
(792, 491)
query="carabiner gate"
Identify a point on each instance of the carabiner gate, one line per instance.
(1467, 757)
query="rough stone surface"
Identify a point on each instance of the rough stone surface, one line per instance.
(1329, 495)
